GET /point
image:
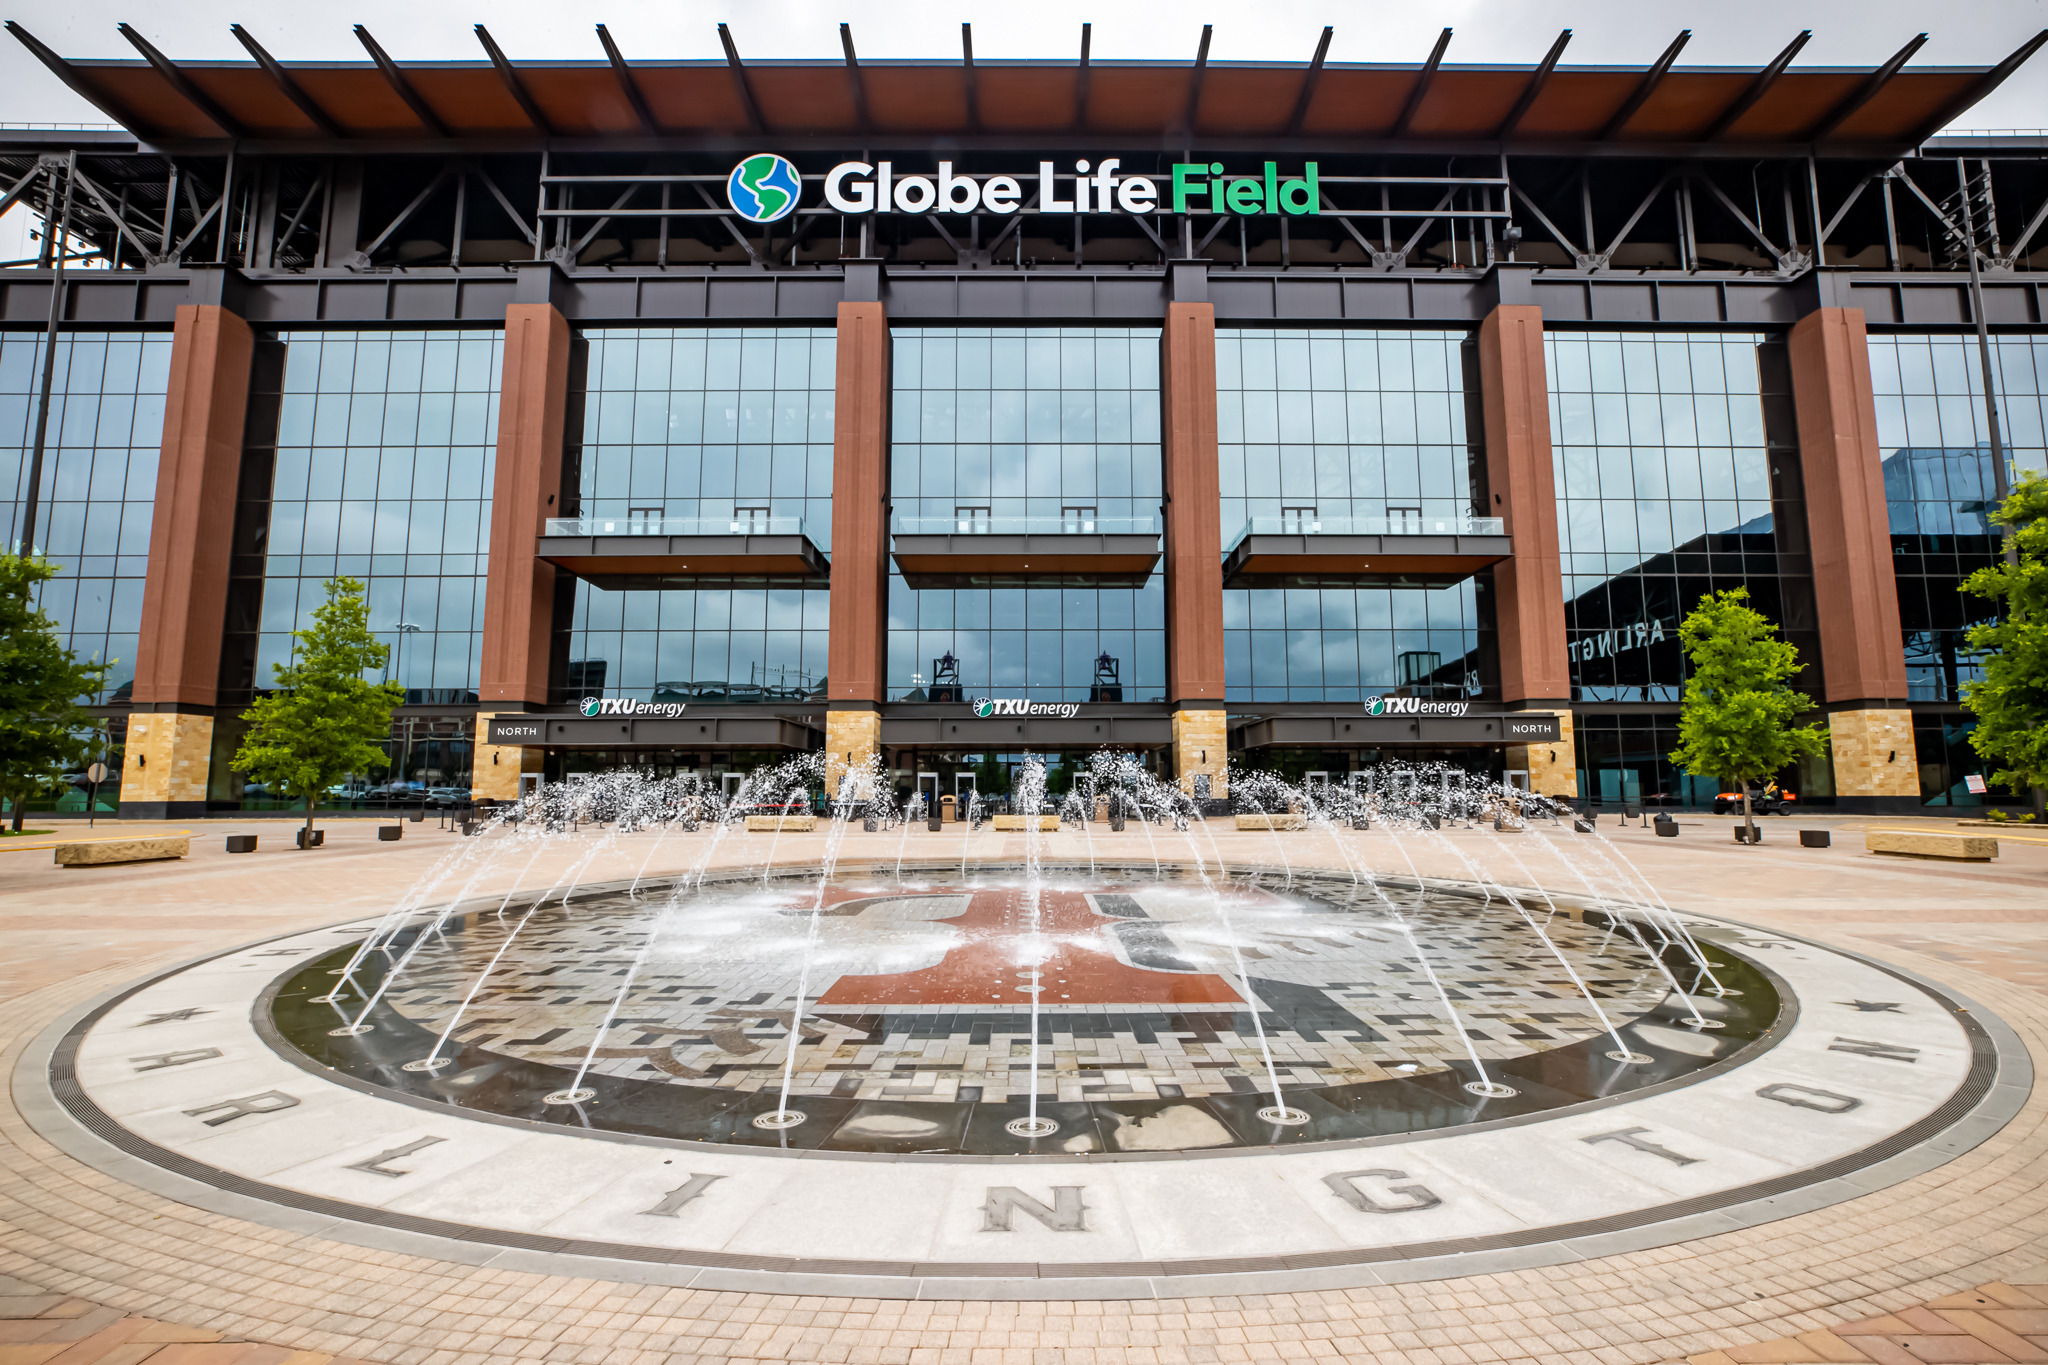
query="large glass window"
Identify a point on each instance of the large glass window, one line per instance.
(1333, 425)
(1939, 484)
(99, 481)
(1041, 426)
(690, 428)
(1664, 493)
(385, 445)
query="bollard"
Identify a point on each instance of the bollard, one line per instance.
(1814, 838)
(241, 843)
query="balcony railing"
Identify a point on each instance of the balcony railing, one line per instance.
(1304, 525)
(977, 525)
(675, 526)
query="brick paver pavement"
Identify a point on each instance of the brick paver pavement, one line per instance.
(1907, 1269)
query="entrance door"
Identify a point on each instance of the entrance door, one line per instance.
(928, 788)
(1518, 778)
(963, 787)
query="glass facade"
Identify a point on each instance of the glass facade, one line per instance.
(1009, 428)
(99, 481)
(1336, 424)
(1939, 484)
(703, 428)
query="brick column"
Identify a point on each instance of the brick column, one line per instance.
(1856, 597)
(185, 591)
(857, 656)
(519, 593)
(1528, 589)
(1194, 546)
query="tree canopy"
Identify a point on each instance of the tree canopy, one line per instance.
(43, 728)
(2011, 701)
(1739, 702)
(325, 721)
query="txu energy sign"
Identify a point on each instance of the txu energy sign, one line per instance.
(861, 187)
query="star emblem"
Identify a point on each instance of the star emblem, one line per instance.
(1871, 1006)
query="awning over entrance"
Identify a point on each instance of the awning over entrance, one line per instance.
(1361, 730)
(934, 550)
(1393, 551)
(686, 731)
(1088, 727)
(656, 552)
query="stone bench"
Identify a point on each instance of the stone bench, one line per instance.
(792, 824)
(1272, 822)
(1014, 824)
(1906, 843)
(102, 852)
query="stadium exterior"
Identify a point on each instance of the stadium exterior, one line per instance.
(687, 414)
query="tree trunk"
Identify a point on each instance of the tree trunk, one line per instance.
(2041, 805)
(20, 803)
(308, 842)
(1747, 822)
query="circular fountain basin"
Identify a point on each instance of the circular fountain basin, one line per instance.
(1247, 1085)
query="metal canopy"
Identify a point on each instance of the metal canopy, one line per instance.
(1356, 730)
(1090, 728)
(755, 729)
(1162, 103)
(1393, 560)
(930, 560)
(631, 561)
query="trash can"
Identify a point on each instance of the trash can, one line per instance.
(949, 809)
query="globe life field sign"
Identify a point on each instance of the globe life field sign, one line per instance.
(765, 187)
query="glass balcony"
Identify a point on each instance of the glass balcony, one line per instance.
(644, 549)
(1401, 549)
(1416, 525)
(633, 525)
(970, 524)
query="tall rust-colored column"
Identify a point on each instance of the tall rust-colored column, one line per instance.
(1528, 589)
(1856, 596)
(519, 593)
(185, 590)
(857, 656)
(1194, 547)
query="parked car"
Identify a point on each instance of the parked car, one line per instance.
(447, 796)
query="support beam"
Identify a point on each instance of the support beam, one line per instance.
(1313, 77)
(1422, 84)
(854, 79)
(1758, 88)
(1537, 80)
(628, 84)
(180, 82)
(973, 86)
(80, 86)
(1646, 87)
(519, 593)
(286, 85)
(1991, 80)
(857, 655)
(740, 82)
(510, 75)
(1081, 77)
(1528, 590)
(1864, 93)
(1201, 73)
(396, 78)
(185, 587)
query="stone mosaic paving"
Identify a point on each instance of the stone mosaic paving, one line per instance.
(923, 992)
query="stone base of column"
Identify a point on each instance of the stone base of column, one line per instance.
(1201, 748)
(1553, 766)
(169, 757)
(852, 739)
(1877, 771)
(495, 768)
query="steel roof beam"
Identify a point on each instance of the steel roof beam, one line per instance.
(626, 82)
(1311, 79)
(973, 88)
(421, 110)
(740, 81)
(1876, 81)
(1081, 78)
(510, 75)
(1539, 78)
(1647, 86)
(1989, 82)
(290, 88)
(1758, 88)
(182, 83)
(856, 80)
(1195, 82)
(1422, 84)
(69, 74)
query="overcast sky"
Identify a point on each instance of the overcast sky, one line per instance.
(1725, 32)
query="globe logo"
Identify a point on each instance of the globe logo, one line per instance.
(763, 188)
(590, 706)
(1378, 707)
(983, 707)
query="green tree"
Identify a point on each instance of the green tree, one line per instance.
(325, 721)
(2011, 702)
(1737, 722)
(43, 729)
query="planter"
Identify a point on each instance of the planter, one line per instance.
(317, 839)
(1742, 836)
(1582, 826)
(1667, 828)
(241, 843)
(390, 834)
(1814, 838)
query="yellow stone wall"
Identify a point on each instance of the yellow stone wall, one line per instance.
(168, 757)
(494, 775)
(1201, 744)
(1873, 753)
(852, 739)
(1548, 775)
